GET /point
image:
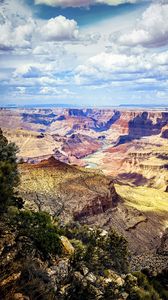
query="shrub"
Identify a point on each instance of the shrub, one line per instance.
(39, 227)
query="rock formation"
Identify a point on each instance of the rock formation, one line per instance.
(64, 190)
(74, 193)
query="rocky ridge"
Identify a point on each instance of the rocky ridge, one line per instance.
(59, 188)
(92, 198)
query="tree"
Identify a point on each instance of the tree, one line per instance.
(9, 175)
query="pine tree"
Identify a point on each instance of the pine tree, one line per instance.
(9, 175)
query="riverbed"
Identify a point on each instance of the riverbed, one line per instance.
(93, 161)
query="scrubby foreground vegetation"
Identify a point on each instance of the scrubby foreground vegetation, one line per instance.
(42, 258)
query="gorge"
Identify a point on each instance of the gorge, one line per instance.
(83, 164)
(89, 179)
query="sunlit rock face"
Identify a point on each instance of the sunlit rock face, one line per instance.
(64, 190)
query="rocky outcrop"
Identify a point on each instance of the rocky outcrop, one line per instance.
(78, 112)
(164, 133)
(163, 248)
(153, 263)
(91, 263)
(38, 118)
(90, 197)
(25, 272)
(99, 204)
(104, 126)
(67, 246)
(64, 190)
(144, 124)
(79, 145)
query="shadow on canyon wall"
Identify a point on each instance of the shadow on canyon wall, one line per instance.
(135, 179)
(99, 127)
(142, 125)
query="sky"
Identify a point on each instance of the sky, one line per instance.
(84, 52)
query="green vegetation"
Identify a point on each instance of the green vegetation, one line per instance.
(94, 246)
(39, 228)
(33, 262)
(144, 198)
(139, 287)
(9, 177)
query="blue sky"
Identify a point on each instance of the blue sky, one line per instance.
(84, 52)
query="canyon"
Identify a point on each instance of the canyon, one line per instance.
(89, 197)
(130, 145)
(97, 166)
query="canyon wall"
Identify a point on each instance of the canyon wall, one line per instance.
(127, 144)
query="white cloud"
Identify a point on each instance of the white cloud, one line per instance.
(59, 29)
(27, 71)
(15, 10)
(113, 67)
(80, 3)
(19, 36)
(161, 94)
(21, 90)
(16, 25)
(46, 90)
(114, 62)
(55, 29)
(59, 56)
(146, 80)
(51, 49)
(20, 31)
(151, 29)
(45, 80)
(31, 33)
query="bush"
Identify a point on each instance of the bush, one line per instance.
(39, 227)
(140, 288)
(99, 252)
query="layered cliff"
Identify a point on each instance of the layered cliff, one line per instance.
(70, 128)
(64, 190)
(138, 138)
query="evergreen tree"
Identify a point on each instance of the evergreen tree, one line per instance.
(9, 175)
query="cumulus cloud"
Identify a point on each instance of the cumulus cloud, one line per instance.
(58, 61)
(113, 67)
(151, 30)
(27, 71)
(16, 25)
(27, 34)
(46, 90)
(113, 63)
(49, 90)
(19, 36)
(20, 30)
(46, 80)
(59, 29)
(83, 3)
(55, 29)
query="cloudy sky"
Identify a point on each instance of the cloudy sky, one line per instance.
(84, 52)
